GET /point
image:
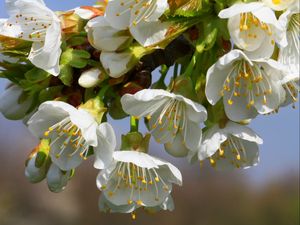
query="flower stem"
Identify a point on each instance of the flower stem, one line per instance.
(134, 124)
(164, 70)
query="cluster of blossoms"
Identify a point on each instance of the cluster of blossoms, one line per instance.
(71, 72)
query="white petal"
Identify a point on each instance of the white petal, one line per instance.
(47, 56)
(49, 113)
(138, 158)
(56, 179)
(64, 161)
(149, 33)
(195, 112)
(106, 146)
(104, 37)
(87, 124)
(238, 111)
(144, 102)
(212, 140)
(239, 8)
(106, 206)
(242, 132)
(115, 8)
(116, 64)
(192, 135)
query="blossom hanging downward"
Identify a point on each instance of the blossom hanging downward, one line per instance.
(31, 20)
(169, 115)
(247, 87)
(254, 28)
(72, 132)
(234, 146)
(137, 179)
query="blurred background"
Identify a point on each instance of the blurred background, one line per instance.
(265, 195)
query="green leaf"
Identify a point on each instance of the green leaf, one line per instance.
(36, 75)
(76, 40)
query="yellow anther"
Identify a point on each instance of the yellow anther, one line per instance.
(110, 194)
(156, 179)
(148, 117)
(139, 202)
(57, 156)
(245, 27)
(150, 182)
(129, 202)
(47, 133)
(212, 162)
(133, 215)
(230, 102)
(221, 152)
(276, 2)
(103, 187)
(238, 157)
(144, 181)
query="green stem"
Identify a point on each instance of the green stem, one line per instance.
(164, 71)
(134, 124)
(103, 90)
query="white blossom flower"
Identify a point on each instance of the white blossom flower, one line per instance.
(138, 179)
(254, 28)
(57, 179)
(169, 115)
(31, 20)
(90, 78)
(124, 14)
(234, 146)
(290, 54)
(140, 17)
(106, 206)
(14, 104)
(247, 87)
(72, 132)
(280, 5)
(104, 37)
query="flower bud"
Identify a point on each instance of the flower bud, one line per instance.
(90, 78)
(33, 173)
(14, 104)
(37, 163)
(57, 179)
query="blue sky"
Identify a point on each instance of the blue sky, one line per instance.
(279, 153)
